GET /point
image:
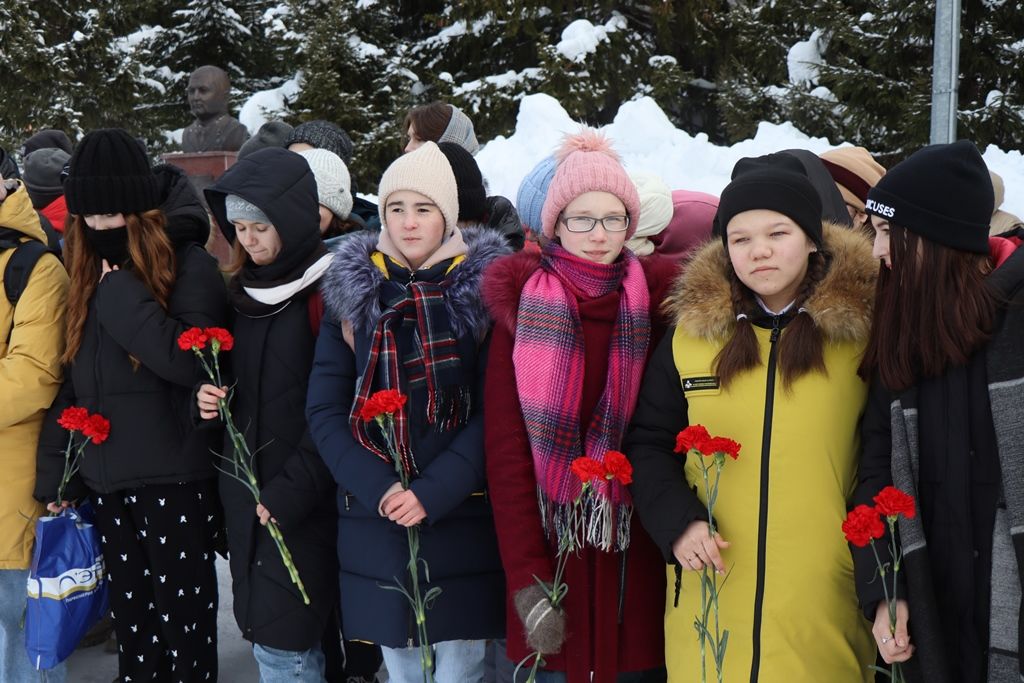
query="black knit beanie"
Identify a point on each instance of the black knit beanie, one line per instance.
(48, 137)
(110, 174)
(472, 196)
(942, 193)
(323, 135)
(776, 182)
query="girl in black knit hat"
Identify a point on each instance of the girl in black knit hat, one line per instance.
(943, 423)
(770, 323)
(138, 280)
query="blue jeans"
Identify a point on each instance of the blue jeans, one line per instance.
(14, 663)
(455, 661)
(289, 666)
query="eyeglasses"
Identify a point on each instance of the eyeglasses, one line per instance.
(586, 223)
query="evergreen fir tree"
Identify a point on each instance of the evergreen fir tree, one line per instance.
(69, 65)
(353, 74)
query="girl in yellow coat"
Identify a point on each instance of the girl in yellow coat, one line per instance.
(770, 326)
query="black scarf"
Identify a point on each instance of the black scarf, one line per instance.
(110, 244)
(266, 277)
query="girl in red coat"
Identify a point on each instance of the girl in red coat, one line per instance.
(572, 333)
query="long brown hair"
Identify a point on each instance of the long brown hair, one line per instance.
(430, 121)
(151, 257)
(933, 309)
(800, 348)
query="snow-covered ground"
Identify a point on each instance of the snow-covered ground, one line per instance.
(647, 141)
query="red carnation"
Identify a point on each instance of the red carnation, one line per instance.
(97, 428)
(192, 338)
(691, 438)
(587, 469)
(221, 336)
(720, 444)
(383, 402)
(863, 524)
(617, 466)
(891, 502)
(73, 419)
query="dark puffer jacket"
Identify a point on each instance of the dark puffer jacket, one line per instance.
(129, 368)
(271, 361)
(457, 539)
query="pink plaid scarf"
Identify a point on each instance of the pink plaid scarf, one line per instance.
(549, 365)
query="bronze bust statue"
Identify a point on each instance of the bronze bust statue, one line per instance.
(214, 129)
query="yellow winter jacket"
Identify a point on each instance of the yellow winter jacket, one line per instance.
(790, 603)
(30, 375)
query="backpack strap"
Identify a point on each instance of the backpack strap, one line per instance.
(19, 266)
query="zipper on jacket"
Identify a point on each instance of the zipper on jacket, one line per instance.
(762, 517)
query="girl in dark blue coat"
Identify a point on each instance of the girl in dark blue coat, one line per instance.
(403, 312)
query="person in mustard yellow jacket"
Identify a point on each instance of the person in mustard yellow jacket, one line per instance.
(31, 344)
(770, 325)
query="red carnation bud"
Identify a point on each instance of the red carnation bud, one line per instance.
(192, 338)
(862, 524)
(73, 419)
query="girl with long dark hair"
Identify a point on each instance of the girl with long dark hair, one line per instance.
(139, 279)
(946, 361)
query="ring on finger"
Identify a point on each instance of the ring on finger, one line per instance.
(885, 639)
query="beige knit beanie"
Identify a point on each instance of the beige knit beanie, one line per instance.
(655, 211)
(854, 171)
(425, 170)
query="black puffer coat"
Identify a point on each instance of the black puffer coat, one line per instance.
(271, 362)
(129, 368)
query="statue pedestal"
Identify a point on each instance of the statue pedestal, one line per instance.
(203, 169)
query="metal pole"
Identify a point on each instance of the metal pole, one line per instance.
(945, 70)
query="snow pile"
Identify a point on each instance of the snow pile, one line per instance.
(647, 141)
(805, 59)
(268, 105)
(581, 37)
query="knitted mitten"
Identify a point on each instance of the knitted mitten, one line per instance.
(544, 624)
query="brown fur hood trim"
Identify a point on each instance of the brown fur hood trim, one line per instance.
(840, 306)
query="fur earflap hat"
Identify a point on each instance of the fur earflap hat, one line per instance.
(587, 163)
(427, 171)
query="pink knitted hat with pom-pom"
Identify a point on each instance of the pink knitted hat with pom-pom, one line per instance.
(587, 163)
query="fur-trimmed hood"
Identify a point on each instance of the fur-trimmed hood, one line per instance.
(506, 277)
(840, 306)
(351, 286)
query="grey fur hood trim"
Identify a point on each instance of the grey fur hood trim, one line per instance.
(351, 286)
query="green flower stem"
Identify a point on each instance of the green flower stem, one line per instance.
(417, 601)
(709, 586)
(241, 460)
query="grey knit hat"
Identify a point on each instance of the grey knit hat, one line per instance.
(42, 170)
(332, 180)
(323, 135)
(460, 131)
(238, 209)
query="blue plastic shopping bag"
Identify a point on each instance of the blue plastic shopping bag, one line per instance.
(67, 586)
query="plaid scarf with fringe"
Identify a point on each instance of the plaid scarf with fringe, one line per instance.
(431, 362)
(549, 364)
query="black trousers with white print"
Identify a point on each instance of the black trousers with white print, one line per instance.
(158, 546)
